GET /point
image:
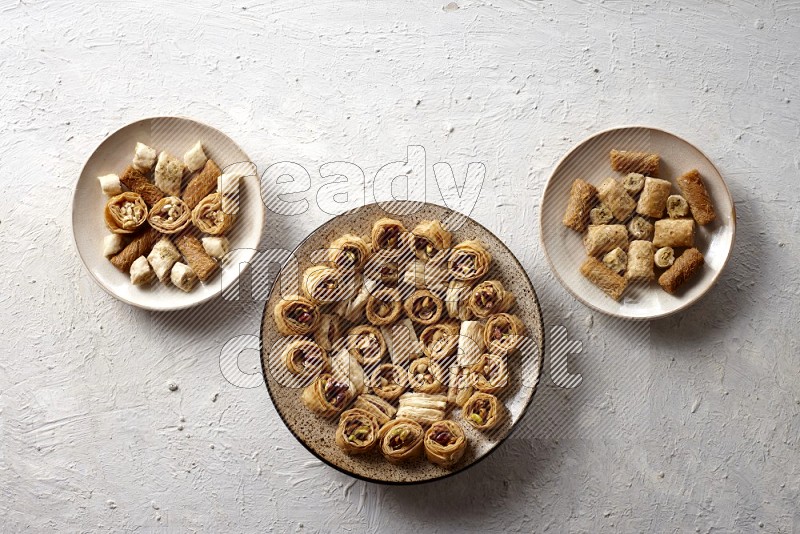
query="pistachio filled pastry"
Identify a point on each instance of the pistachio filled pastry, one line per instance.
(388, 381)
(445, 443)
(353, 310)
(125, 212)
(304, 358)
(600, 215)
(503, 333)
(322, 284)
(471, 342)
(325, 396)
(430, 238)
(388, 234)
(209, 217)
(378, 408)
(469, 261)
(423, 408)
(401, 440)
(424, 307)
(295, 316)
(345, 368)
(401, 341)
(613, 195)
(384, 307)
(357, 432)
(456, 300)
(482, 411)
(328, 331)
(170, 215)
(426, 376)
(366, 343)
(348, 252)
(439, 341)
(490, 374)
(489, 297)
(461, 385)
(633, 183)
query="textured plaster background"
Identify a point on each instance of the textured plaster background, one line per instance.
(686, 424)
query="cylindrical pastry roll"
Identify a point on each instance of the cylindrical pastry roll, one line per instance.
(603, 238)
(471, 342)
(322, 284)
(414, 276)
(469, 261)
(353, 309)
(348, 252)
(633, 183)
(640, 228)
(401, 440)
(456, 298)
(640, 261)
(696, 194)
(610, 282)
(378, 408)
(664, 257)
(388, 234)
(677, 207)
(674, 233)
(357, 432)
(384, 307)
(304, 358)
(601, 215)
(425, 376)
(328, 331)
(170, 215)
(424, 408)
(613, 195)
(439, 341)
(489, 297)
(437, 273)
(641, 162)
(195, 255)
(138, 183)
(687, 265)
(424, 307)
(125, 212)
(295, 316)
(139, 246)
(482, 411)
(388, 381)
(345, 368)
(430, 238)
(461, 386)
(654, 198)
(581, 198)
(445, 443)
(503, 333)
(616, 260)
(209, 217)
(217, 247)
(366, 343)
(202, 184)
(490, 374)
(325, 396)
(401, 341)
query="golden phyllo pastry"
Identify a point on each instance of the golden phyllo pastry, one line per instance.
(348, 252)
(125, 212)
(295, 316)
(439, 341)
(209, 217)
(304, 358)
(489, 297)
(503, 333)
(424, 307)
(389, 381)
(482, 411)
(378, 408)
(366, 343)
(401, 440)
(325, 396)
(170, 215)
(445, 443)
(426, 376)
(357, 432)
(430, 238)
(469, 261)
(384, 307)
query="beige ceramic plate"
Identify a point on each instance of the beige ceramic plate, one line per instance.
(175, 135)
(589, 160)
(317, 434)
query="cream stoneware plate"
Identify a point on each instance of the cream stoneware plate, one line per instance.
(175, 135)
(318, 434)
(589, 160)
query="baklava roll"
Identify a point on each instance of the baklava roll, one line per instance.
(687, 265)
(674, 233)
(490, 374)
(144, 157)
(616, 260)
(357, 432)
(603, 238)
(328, 331)
(482, 411)
(322, 284)
(426, 376)
(445, 443)
(382, 411)
(461, 385)
(471, 342)
(633, 183)
(325, 396)
(353, 310)
(613, 195)
(126, 212)
(601, 215)
(604, 278)
(138, 183)
(168, 174)
(424, 408)
(640, 261)
(163, 257)
(437, 273)
(430, 238)
(170, 215)
(439, 341)
(641, 162)
(384, 307)
(469, 261)
(139, 246)
(195, 255)
(382, 270)
(295, 316)
(348, 252)
(677, 207)
(388, 234)
(401, 440)
(183, 277)
(456, 298)
(503, 333)
(303, 357)
(640, 228)
(209, 217)
(654, 198)
(195, 157)
(664, 257)
(489, 297)
(414, 276)
(581, 198)
(388, 381)
(424, 307)
(401, 342)
(696, 195)
(345, 368)
(202, 184)
(366, 343)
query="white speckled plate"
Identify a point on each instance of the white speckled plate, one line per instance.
(317, 434)
(175, 135)
(589, 160)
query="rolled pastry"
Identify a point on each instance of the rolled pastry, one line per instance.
(664, 257)
(677, 207)
(366, 343)
(640, 261)
(503, 333)
(384, 270)
(430, 238)
(616, 260)
(110, 185)
(401, 342)
(322, 284)
(348, 252)
(424, 307)
(696, 194)
(228, 188)
(209, 217)
(195, 157)
(445, 443)
(303, 357)
(141, 273)
(674, 233)
(489, 297)
(469, 261)
(461, 386)
(581, 197)
(170, 215)
(426, 376)
(470, 343)
(633, 183)
(357, 432)
(328, 331)
(378, 408)
(144, 157)
(183, 277)
(163, 257)
(139, 246)
(401, 440)
(124, 213)
(195, 255)
(601, 215)
(388, 381)
(423, 408)
(345, 368)
(687, 265)
(387, 234)
(202, 184)
(640, 228)
(456, 299)
(138, 183)
(216, 247)
(610, 282)
(112, 243)
(654, 198)
(482, 411)
(414, 276)
(613, 195)
(384, 307)
(603, 238)
(437, 273)
(641, 162)
(353, 310)
(295, 316)
(490, 374)
(439, 341)
(168, 175)
(325, 396)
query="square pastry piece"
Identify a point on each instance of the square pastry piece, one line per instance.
(169, 172)
(163, 257)
(195, 158)
(144, 157)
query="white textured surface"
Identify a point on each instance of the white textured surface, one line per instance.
(695, 429)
